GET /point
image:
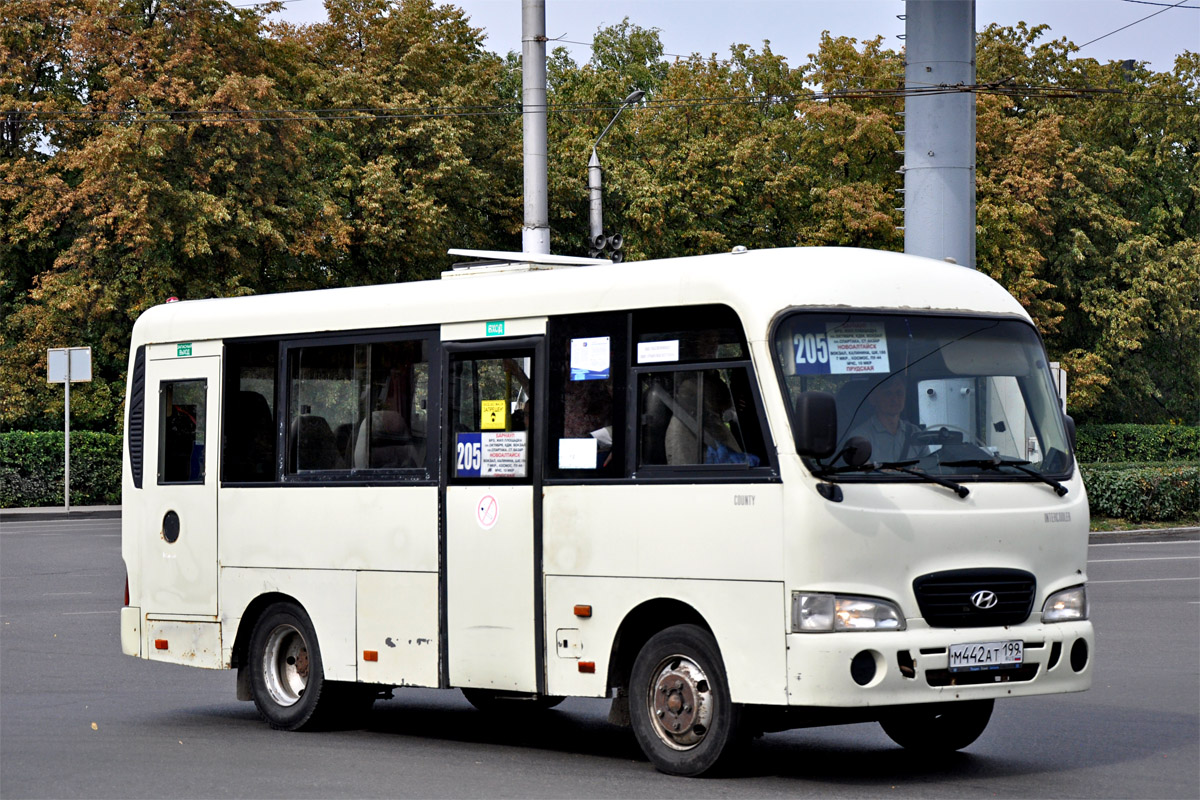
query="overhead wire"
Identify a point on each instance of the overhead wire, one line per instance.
(379, 114)
(1130, 25)
(1153, 3)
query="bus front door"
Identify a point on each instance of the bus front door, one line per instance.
(178, 531)
(492, 568)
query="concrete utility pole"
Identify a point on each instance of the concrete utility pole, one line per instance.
(939, 136)
(535, 236)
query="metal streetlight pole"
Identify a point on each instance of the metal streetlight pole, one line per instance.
(595, 193)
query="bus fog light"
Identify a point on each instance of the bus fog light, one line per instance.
(1068, 605)
(863, 667)
(812, 613)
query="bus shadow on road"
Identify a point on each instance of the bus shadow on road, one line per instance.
(577, 726)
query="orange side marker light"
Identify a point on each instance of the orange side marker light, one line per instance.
(587, 666)
(370, 655)
(160, 644)
(583, 611)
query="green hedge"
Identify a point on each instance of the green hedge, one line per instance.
(1143, 492)
(1140, 443)
(31, 469)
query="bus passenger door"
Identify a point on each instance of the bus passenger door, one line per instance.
(178, 531)
(492, 563)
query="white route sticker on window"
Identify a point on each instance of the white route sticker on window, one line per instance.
(577, 453)
(590, 359)
(658, 352)
(841, 349)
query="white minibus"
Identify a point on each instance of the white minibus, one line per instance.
(735, 493)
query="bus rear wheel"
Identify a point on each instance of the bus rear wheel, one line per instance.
(286, 676)
(938, 727)
(679, 702)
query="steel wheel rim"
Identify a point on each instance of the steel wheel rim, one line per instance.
(679, 702)
(286, 665)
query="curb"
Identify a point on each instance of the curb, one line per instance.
(51, 513)
(1142, 534)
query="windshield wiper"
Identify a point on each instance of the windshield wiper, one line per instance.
(899, 466)
(996, 462)
(869, 466)
(906, 468)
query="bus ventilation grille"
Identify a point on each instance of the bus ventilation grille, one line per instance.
(1001, 597)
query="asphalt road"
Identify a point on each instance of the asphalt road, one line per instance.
(78, 719)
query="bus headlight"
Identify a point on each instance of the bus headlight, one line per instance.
(817, 613)
(1068, 605)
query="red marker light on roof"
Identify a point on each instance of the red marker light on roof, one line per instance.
(172, 299)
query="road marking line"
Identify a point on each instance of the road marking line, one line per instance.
(62, 594)
(1141, 544)
(1147, 580)
(77, 613)
(1155, 558)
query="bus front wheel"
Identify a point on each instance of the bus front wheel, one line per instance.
(680, 707)
(938, 727)
(286, 675)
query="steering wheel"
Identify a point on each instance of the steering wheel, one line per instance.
(942, 435)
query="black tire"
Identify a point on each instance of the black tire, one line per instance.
(679, 703)
(938, 727)
(490, 701)
(287, 679)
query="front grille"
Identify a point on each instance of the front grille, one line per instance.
(945, 597)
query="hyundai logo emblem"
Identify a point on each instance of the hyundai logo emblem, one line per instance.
(983, 599)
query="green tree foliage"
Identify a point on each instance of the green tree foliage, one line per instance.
(158, 148)
(151, 148)
(1090, 214)
(403, 179)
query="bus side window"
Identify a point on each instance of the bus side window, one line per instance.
(358, 405)
(699, 417)
(588, 374)
(249, 421)
(696, 396)
(182, 415)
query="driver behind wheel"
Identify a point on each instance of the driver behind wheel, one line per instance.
(892, 438)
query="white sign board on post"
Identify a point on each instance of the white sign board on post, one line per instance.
(74, 363)
(67, 365)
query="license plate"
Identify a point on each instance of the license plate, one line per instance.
(980, 656)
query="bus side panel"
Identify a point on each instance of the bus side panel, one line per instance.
(731, 531)
(195, 644)
(746, 617)
(398, 622)
(381, 528)
(328, 596)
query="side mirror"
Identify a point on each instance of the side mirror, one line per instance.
(1070, 423)
(815, 423)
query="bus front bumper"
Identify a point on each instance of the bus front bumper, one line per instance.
(848, 669)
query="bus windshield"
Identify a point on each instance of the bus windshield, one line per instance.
(950, 396)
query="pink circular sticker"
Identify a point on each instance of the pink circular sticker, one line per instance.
(487, 511)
